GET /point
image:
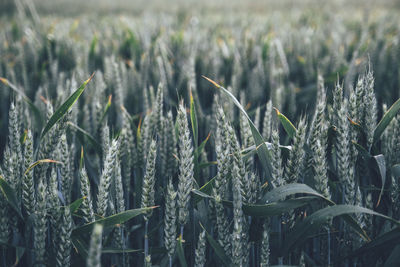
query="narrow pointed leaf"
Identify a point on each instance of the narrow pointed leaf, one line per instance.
(19, 253)
(80, 245)
(249, 151)
(383, 241)
(91, 139)
(311, 224)
(193, 120)
(282, 192)
(35, 109)
(380, 161)
(180, 251)
(9, 194)
(217, 248)
(41, 161)
(394, 258)
(111, 221)
(386, 119)
(206, 188)
(74, 206)
(286, 123)
(275, 208)
(265, 210)
(201, 147)
(362, 150)
(262, 152)
(119, 250)
(108, 105)
(203, 165)
(62, 110)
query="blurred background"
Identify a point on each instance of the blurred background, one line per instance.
(134, 7)
(256, 46)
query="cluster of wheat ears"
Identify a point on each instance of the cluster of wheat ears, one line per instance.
(150, 163)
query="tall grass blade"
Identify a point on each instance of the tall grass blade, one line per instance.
(67, 105)
(10, 196)
(386, 119)
(263, 153)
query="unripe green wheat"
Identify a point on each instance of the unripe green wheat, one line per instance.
(105, 179)
(66, 175)
(295, 162)
(200, 254)
(267, 122)
(186, 166)
(277, 169)
(265, 249)
(170, 220)
(28, 189)
(64, 242)
(320, 175)
(40, 226)
(119, 188)
(87, 205)
(94, 255)
(149, 180)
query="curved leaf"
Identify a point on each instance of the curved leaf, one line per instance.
(217, 248)
(282, 192)
(105, 110)
(41, 161)
(265, 210)
(385, 240)
(181, 254)
(361, 149)
(193, 120)
(386, 119)
(195, 131)
(380, 161)
(200, 148)
(9, 194)
(394, 258)
(111, 221)
(91, 139)
(74, 206)
(286, 123)
(60, 112)
(249, 151)
(311, 224)
(206, 188)
(34, 108)
(262, 152)
(19, 253)
(203, 165)
(80, 245)
(275, 208)
(119, 250)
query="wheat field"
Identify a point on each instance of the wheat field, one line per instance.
(243, 133)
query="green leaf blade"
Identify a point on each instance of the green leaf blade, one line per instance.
(286, 123)
(9, 194)
(301, 231)
(62, 110)
(386, 119)
(217, 248)
(262, 152)
(111, 221)
(35, 109)
(180, 252)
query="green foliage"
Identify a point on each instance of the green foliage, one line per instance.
(218, 181)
